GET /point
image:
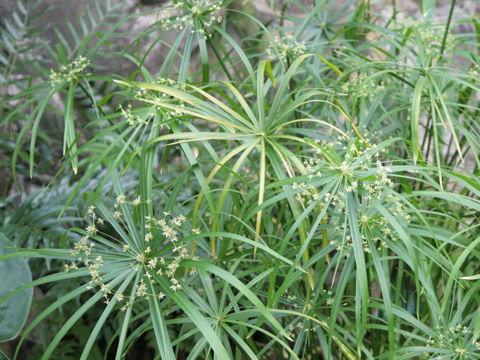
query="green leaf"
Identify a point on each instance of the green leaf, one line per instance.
(61, 54)
(362, 297)
(183, 73)
(415, 115)
(69, 140)
(159, 326)
(15, 273)
(456, 269)
(476, 326)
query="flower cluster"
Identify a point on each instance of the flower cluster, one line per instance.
(431, 36)
(68, 72)
(362, 86)
(136, 119)
(171, 107)
(176, 106)
(206, 11)
(458, 339)
(473, 71)
(294, 329)
(356, 167)
(286, 47)
(153, 252)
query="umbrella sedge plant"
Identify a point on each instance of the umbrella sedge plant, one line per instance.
(296, 189)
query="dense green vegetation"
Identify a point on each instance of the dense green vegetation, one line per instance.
(301, 188)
